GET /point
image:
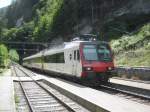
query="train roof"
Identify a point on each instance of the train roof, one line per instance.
(61, 48)
(34, 56)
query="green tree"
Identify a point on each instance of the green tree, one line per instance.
(46, 12)
(13, 55)
(3, 56)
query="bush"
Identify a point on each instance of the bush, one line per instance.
(3, 56)
(130, 42)
(13, 55)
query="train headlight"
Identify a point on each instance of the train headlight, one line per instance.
(109, 68)
(88, 68)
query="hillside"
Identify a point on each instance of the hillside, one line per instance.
(120, 22)
(18, 9)
(134, 49)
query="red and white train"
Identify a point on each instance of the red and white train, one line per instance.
(89, 60)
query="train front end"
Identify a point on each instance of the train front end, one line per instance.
(97, 61)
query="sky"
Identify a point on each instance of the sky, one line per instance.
(4, 3)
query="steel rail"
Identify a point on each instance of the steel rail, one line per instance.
(50, 93)
(146, 97)
(24, 92)
(108, 86)
(131, 70)
(131, 80)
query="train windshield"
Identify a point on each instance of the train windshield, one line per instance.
(97, 53)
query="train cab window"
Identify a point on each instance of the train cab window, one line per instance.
(90, 52)
(100, 52)
(104, 53)
(78, 55)
(75, 55)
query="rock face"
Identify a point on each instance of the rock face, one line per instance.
(126, 17)
(3, 12)
(109, 18)
(132, 9)
(19, 9)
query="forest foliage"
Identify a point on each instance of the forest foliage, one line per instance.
(39, 27)
(64, 18)
(7, 55)
(13, 55)
(3, 56)
(46, 12)
(133, 49)
(116, 21)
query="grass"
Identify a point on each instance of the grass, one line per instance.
(16, 99)
(141, 35)
(1, 71)
(134, 58)
(133, 50)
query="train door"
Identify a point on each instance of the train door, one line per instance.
(79, 66)
(68, 62)
(72, 63)
(76, 63)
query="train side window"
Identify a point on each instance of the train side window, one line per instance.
(50, 59)
(53, 58)
(75, 55)
(60, 58)
(44, 59)
(70, 56)
(78, 55)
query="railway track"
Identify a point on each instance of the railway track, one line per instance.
(132, 93)
(133, 70)
(43, 98)
(135, 92)
(125, 79)
(127, 90)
